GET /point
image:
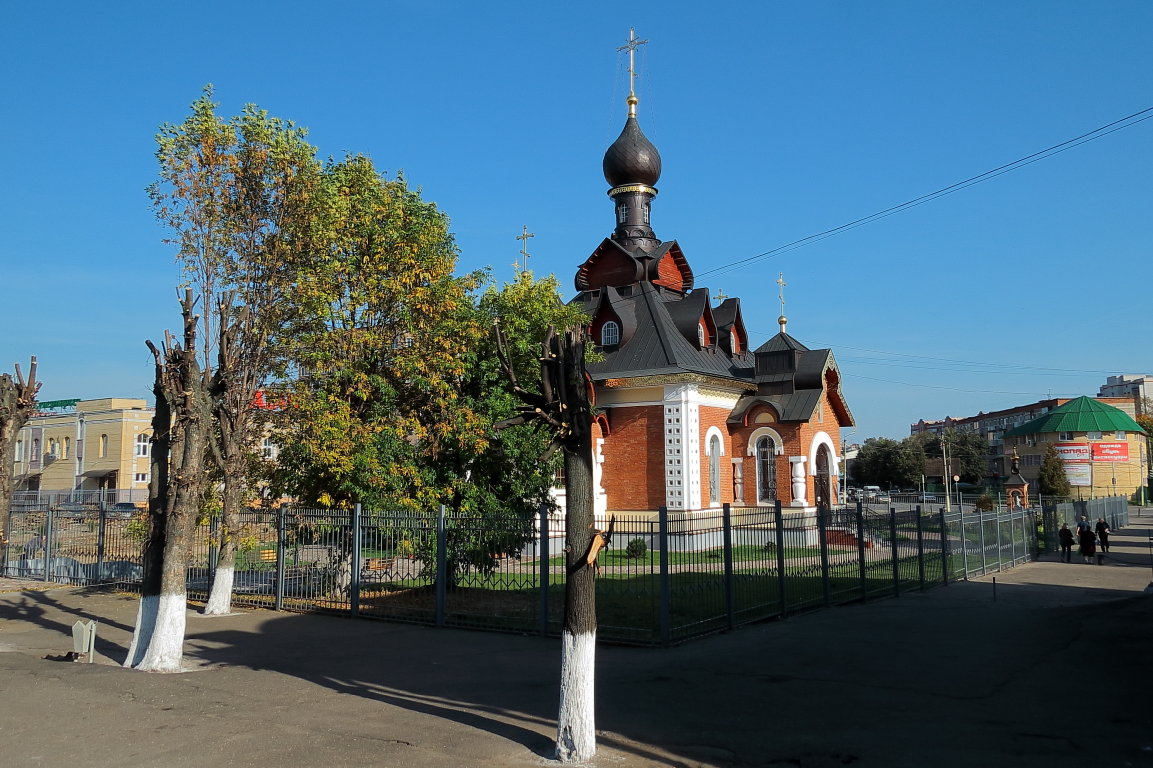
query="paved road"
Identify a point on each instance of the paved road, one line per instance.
(1056, 671)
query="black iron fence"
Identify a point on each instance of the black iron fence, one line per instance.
(666, 578)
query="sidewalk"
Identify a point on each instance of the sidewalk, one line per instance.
(1051, 667)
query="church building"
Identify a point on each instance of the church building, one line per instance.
(689, 416)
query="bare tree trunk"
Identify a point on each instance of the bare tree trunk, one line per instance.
(565, 404)
(576, 724)
(223, 579)
(17, 403)
(177, 492)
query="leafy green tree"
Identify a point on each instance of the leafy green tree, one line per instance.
(968, 454)
(238, 195)
(1051, 479)
(889, 463)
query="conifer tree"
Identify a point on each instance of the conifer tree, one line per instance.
(1052, 480)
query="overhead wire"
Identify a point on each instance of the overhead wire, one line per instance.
(1125, 122)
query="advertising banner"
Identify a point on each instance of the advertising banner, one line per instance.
(1079, 474)
(1110, 451)
(1073, 451)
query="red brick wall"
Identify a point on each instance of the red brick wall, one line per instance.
(711, 416)
(634, 458)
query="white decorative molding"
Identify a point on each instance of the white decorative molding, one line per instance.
(709, 435)
(682, 447)
(772, 434)
(819, 439)
(797, 465)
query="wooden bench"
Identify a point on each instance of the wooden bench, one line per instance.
(376, 565)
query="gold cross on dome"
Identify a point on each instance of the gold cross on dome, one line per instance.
(781, 292)
(631, 46)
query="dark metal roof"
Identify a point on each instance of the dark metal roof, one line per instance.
(657, 344)
(798, 406)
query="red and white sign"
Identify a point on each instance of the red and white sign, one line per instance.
(1074, 452)
(1110, 451)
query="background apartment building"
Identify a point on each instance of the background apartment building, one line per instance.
(99, 449)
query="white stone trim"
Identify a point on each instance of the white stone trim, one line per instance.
(709, 435)
(682, 429)
(797, 467)
(758, 433)
(819, 439)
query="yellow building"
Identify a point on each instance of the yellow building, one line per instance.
(92, 449)
(1101, 447)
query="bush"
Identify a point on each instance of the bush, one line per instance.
(985, 502)
(636, 549)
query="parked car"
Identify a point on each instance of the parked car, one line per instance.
(928, 498)
(123, 509)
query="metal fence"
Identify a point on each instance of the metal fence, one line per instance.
(665, 579)
(1115, 511)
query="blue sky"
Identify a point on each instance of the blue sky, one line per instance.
(775, 121)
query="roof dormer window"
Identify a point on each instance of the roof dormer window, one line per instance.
(702, 337)
(610, 334)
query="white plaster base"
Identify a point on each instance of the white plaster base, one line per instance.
(220, 598)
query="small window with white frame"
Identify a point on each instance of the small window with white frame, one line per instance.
(142, 445)
(610, 334)
(1093, 435)
(268, 449)
(1119, 435)
(142, 477)
(1066, 436)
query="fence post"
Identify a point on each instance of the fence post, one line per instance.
(441, 564)
(49, 535)
(6, 542)
(213, 542)
(1000, 554)
(945, 574)
(823, 540)
(727, 519)
(861, 551)
(981, 523)
(893, 547)
(354, 587)
(101, 534)
(779, 520)
(281, 540)
(666, 596)
(964, 547)
(920, 549)
(545, 571)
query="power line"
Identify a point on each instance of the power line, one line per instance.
(958, 389)
(1097, 133)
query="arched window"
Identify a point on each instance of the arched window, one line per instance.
(53, 447)
(715, 470)
(701, 334)
(622, 213)
(19, 451)
(268, 448)
(36, 449)
(766, 471)
(142, 444)
(610, 334)
(102, 451)
(67, 447)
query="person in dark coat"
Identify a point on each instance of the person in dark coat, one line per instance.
(1088, 541)
(1103, 534)
(1066, 539)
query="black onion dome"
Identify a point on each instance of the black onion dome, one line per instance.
(632, 158)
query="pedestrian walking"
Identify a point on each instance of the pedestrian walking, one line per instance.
(1083, 525)
(1103, 534)
(1066, 538)
(1088, 541)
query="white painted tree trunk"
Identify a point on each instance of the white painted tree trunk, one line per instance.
(166, 651)
(145, 626)
(220, 598)
(576, 730)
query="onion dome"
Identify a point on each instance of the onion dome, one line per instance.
(632, 158)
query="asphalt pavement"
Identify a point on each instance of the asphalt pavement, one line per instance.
(1049, 665)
